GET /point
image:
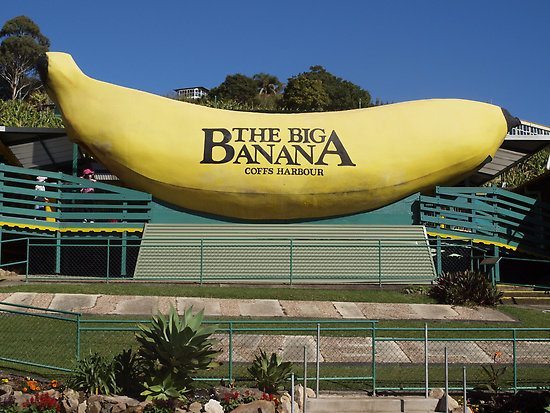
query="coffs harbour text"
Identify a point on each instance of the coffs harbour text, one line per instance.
(291, 151)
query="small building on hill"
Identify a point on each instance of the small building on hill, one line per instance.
(196, 92)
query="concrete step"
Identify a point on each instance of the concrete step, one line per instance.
(525, 293)
(371, 405)
(542, 300)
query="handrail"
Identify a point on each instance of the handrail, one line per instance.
(491, 214)
(63, 202)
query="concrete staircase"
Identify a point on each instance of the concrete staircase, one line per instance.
(524, 295)
(339, 404)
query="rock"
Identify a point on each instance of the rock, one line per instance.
(299, 394)
(94, 404)
(141, 407)
(21, 398)
(310, 392)
(436, 393)
(82, 407)
(121, 399)
(195, 407)
(70, 401)
(452, 404)
(460, 409)
(180, 410)
(258, 406)
(52, 393)
(6, 393)
(213, 406)
(284, 405)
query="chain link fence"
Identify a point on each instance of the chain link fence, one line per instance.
(288, 261)
(338, 355)
(38, 337)
(94, 258)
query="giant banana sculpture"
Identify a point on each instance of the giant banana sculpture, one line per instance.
(273, 166)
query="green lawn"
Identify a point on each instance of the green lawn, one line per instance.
(370, 294)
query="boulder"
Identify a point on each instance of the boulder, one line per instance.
(82, 407)
(213, 406)
(299, 394)
(436, 393)
(70, 401)
(121, 400)
(452, 404)
(21, 398)
(258, 406)
(94, 404)
(6, 393)
(285, 407)
(195, 407)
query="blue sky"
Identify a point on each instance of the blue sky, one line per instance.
(486, 50)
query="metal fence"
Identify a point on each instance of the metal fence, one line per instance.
(337, 354)
(222, 260)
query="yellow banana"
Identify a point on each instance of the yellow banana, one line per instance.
(273, 166)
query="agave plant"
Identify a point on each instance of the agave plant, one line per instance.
(164, 390)
(174, 349)
(94, 375)
(270, 372)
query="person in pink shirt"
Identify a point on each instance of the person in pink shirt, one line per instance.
(89, 175)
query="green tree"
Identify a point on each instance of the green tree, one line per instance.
(22, 44)
(267, 84)
(303, 94)
(342, 94)
(237, 87)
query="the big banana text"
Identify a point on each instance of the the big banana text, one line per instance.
(273, 166)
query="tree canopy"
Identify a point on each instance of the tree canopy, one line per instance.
(315, 90)
(342, 94)
(237, 87)
(22, 44)
(303, 94)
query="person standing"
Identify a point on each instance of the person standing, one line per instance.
(40, 187)
(89, 175)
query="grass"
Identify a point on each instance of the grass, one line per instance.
(53, 342)
(371, 294)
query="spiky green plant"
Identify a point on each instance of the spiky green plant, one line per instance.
(465, 288)
(94, 375)
(270, 372)
(164, 390)
(174, 349)
(128, 367)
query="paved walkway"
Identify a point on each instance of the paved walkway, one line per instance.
(218, 307)
(332, 349)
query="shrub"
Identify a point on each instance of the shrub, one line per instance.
(270, 372)
(174, 349)
(465, 288)
(129, 372)
(94, 375)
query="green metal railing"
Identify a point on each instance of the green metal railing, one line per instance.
(202, 261)
(62, 204)
(338, 353)
(488, 214)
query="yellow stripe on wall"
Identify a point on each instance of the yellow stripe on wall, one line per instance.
(69, 229)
